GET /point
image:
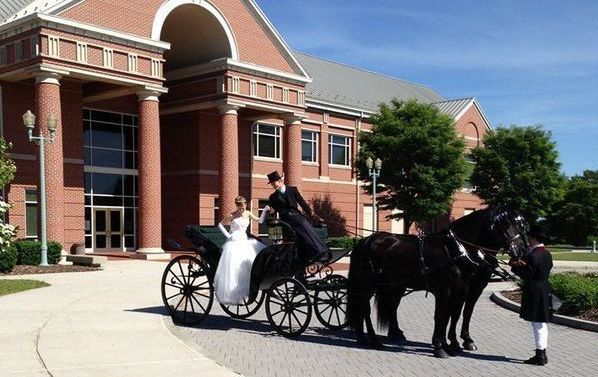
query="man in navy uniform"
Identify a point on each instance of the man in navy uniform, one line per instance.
(534, 268)
(286, 200)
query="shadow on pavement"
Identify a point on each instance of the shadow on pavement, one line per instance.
(150, 310)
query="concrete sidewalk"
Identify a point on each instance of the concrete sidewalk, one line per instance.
(107, 323)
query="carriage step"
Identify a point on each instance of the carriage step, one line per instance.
(87, 260)
(157, 256)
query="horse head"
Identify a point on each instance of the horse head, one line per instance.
(511, 227)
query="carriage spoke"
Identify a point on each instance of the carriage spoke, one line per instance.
(326, 308)
(175, 275)
(185, 312)
(282, 320)
(179, 304)
(199, 303)
(174, 286)
(296, 319)
(300, 311)
(278, 312)
(330, 315)
(182, 273)
(338, 318)
(192, 307)
(173, 296)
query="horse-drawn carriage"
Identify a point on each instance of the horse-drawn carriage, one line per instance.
(281, 276)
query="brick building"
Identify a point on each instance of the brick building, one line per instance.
(157, 98)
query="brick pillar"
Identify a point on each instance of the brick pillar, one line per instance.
(47, 102)
(229, 158)
(149, 222)
(292, 151)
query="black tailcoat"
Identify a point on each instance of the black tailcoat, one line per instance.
(535, 303)
(287, 206)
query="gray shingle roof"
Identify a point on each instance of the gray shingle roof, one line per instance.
(11, 10)
(343, 85)
(453, 107)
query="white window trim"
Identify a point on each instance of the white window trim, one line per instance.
(253, 88)
(133, 63)
(286, 94)
(235, 85)
(347, 145)
(108, 55)
(270, 92)
(254, 130)
(315, 148)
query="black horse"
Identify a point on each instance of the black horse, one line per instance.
(387, 265)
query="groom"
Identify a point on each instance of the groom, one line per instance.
(284, 201)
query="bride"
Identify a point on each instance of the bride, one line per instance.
(233, 274)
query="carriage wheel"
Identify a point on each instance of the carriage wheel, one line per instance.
(246, 309)
(330, 302)
(187, 290)
(288, 307)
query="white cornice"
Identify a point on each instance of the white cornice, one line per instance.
(283, 47)
(36, 20)
(336, 108)
(226, 64)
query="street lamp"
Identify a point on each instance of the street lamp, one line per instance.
(52, 124)
(374, 168)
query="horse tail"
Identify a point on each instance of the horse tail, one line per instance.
(355, 284)
(385, 309)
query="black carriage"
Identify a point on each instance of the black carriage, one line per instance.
(289, 285)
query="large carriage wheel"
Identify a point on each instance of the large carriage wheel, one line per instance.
(187, 290)
(330, 302)
(246, 309)
(288, 307)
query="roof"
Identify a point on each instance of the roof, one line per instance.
(457, 107)
(11, 10)
(339, 84)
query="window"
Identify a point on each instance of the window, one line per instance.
(31, 213)
(340, 150)
(309, 146)
(266, 141)
(468, 172)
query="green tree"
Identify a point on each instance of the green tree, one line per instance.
(7, 166)
(518, 168)
(423, 160)
(575, 218)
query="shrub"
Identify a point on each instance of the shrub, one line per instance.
(345, 243)
(8, 258)
(578, 292)
(29, 252)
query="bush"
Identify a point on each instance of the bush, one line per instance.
(578, 292)
(8, 258)
(29, 252)
(345, 243)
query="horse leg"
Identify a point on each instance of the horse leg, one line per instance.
(475, 291)
(374, 342)
(394, 331)
(441, 316)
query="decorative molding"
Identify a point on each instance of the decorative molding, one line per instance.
(82, 52)
(252, 88)
(228, 109)
(148, 95)
(327, 180)
(169, 5)
(47, 78)
(37, 20)
(53, 46)
(235, 85)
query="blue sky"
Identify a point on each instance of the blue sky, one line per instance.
(527, 62)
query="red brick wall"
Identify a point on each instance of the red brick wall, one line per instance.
(137, 17)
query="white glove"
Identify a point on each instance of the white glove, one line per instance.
(224, 231)
(264, 214)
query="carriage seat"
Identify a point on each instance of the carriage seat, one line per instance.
(201, 233)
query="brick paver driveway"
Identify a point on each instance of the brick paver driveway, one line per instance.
(251, 348)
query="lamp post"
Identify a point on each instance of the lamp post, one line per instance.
(52, 124)
(374, 168)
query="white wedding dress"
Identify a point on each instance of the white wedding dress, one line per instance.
(233, 274)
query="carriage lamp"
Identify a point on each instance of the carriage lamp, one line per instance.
(374, 168)
(275, 233)
(52, 124)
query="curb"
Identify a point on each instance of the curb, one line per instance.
(559, 319)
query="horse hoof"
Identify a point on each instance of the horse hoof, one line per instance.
(363, 341)
(453, 349)
(397, 337)
(377, 345)
(470, 346)
(441, 353)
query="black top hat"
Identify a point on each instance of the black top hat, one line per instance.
(274, 176)
(539, 232)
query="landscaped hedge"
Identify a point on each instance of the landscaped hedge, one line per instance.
(8, 258)
(29, 252)
(345, 243)
(577, 292)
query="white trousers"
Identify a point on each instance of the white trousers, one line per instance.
(540, 335)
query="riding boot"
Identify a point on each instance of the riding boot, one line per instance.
(539, 359)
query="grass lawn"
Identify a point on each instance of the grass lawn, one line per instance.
(561, 255)
(13, 286)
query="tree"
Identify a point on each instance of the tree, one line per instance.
(7, 166)
(575, 218)
(7, 172)
(423, 160)
(332, 216)
(518, 168)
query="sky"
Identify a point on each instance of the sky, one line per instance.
(527, 62)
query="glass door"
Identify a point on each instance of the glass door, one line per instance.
(108, 232)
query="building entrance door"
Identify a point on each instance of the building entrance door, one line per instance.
(108, 230)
